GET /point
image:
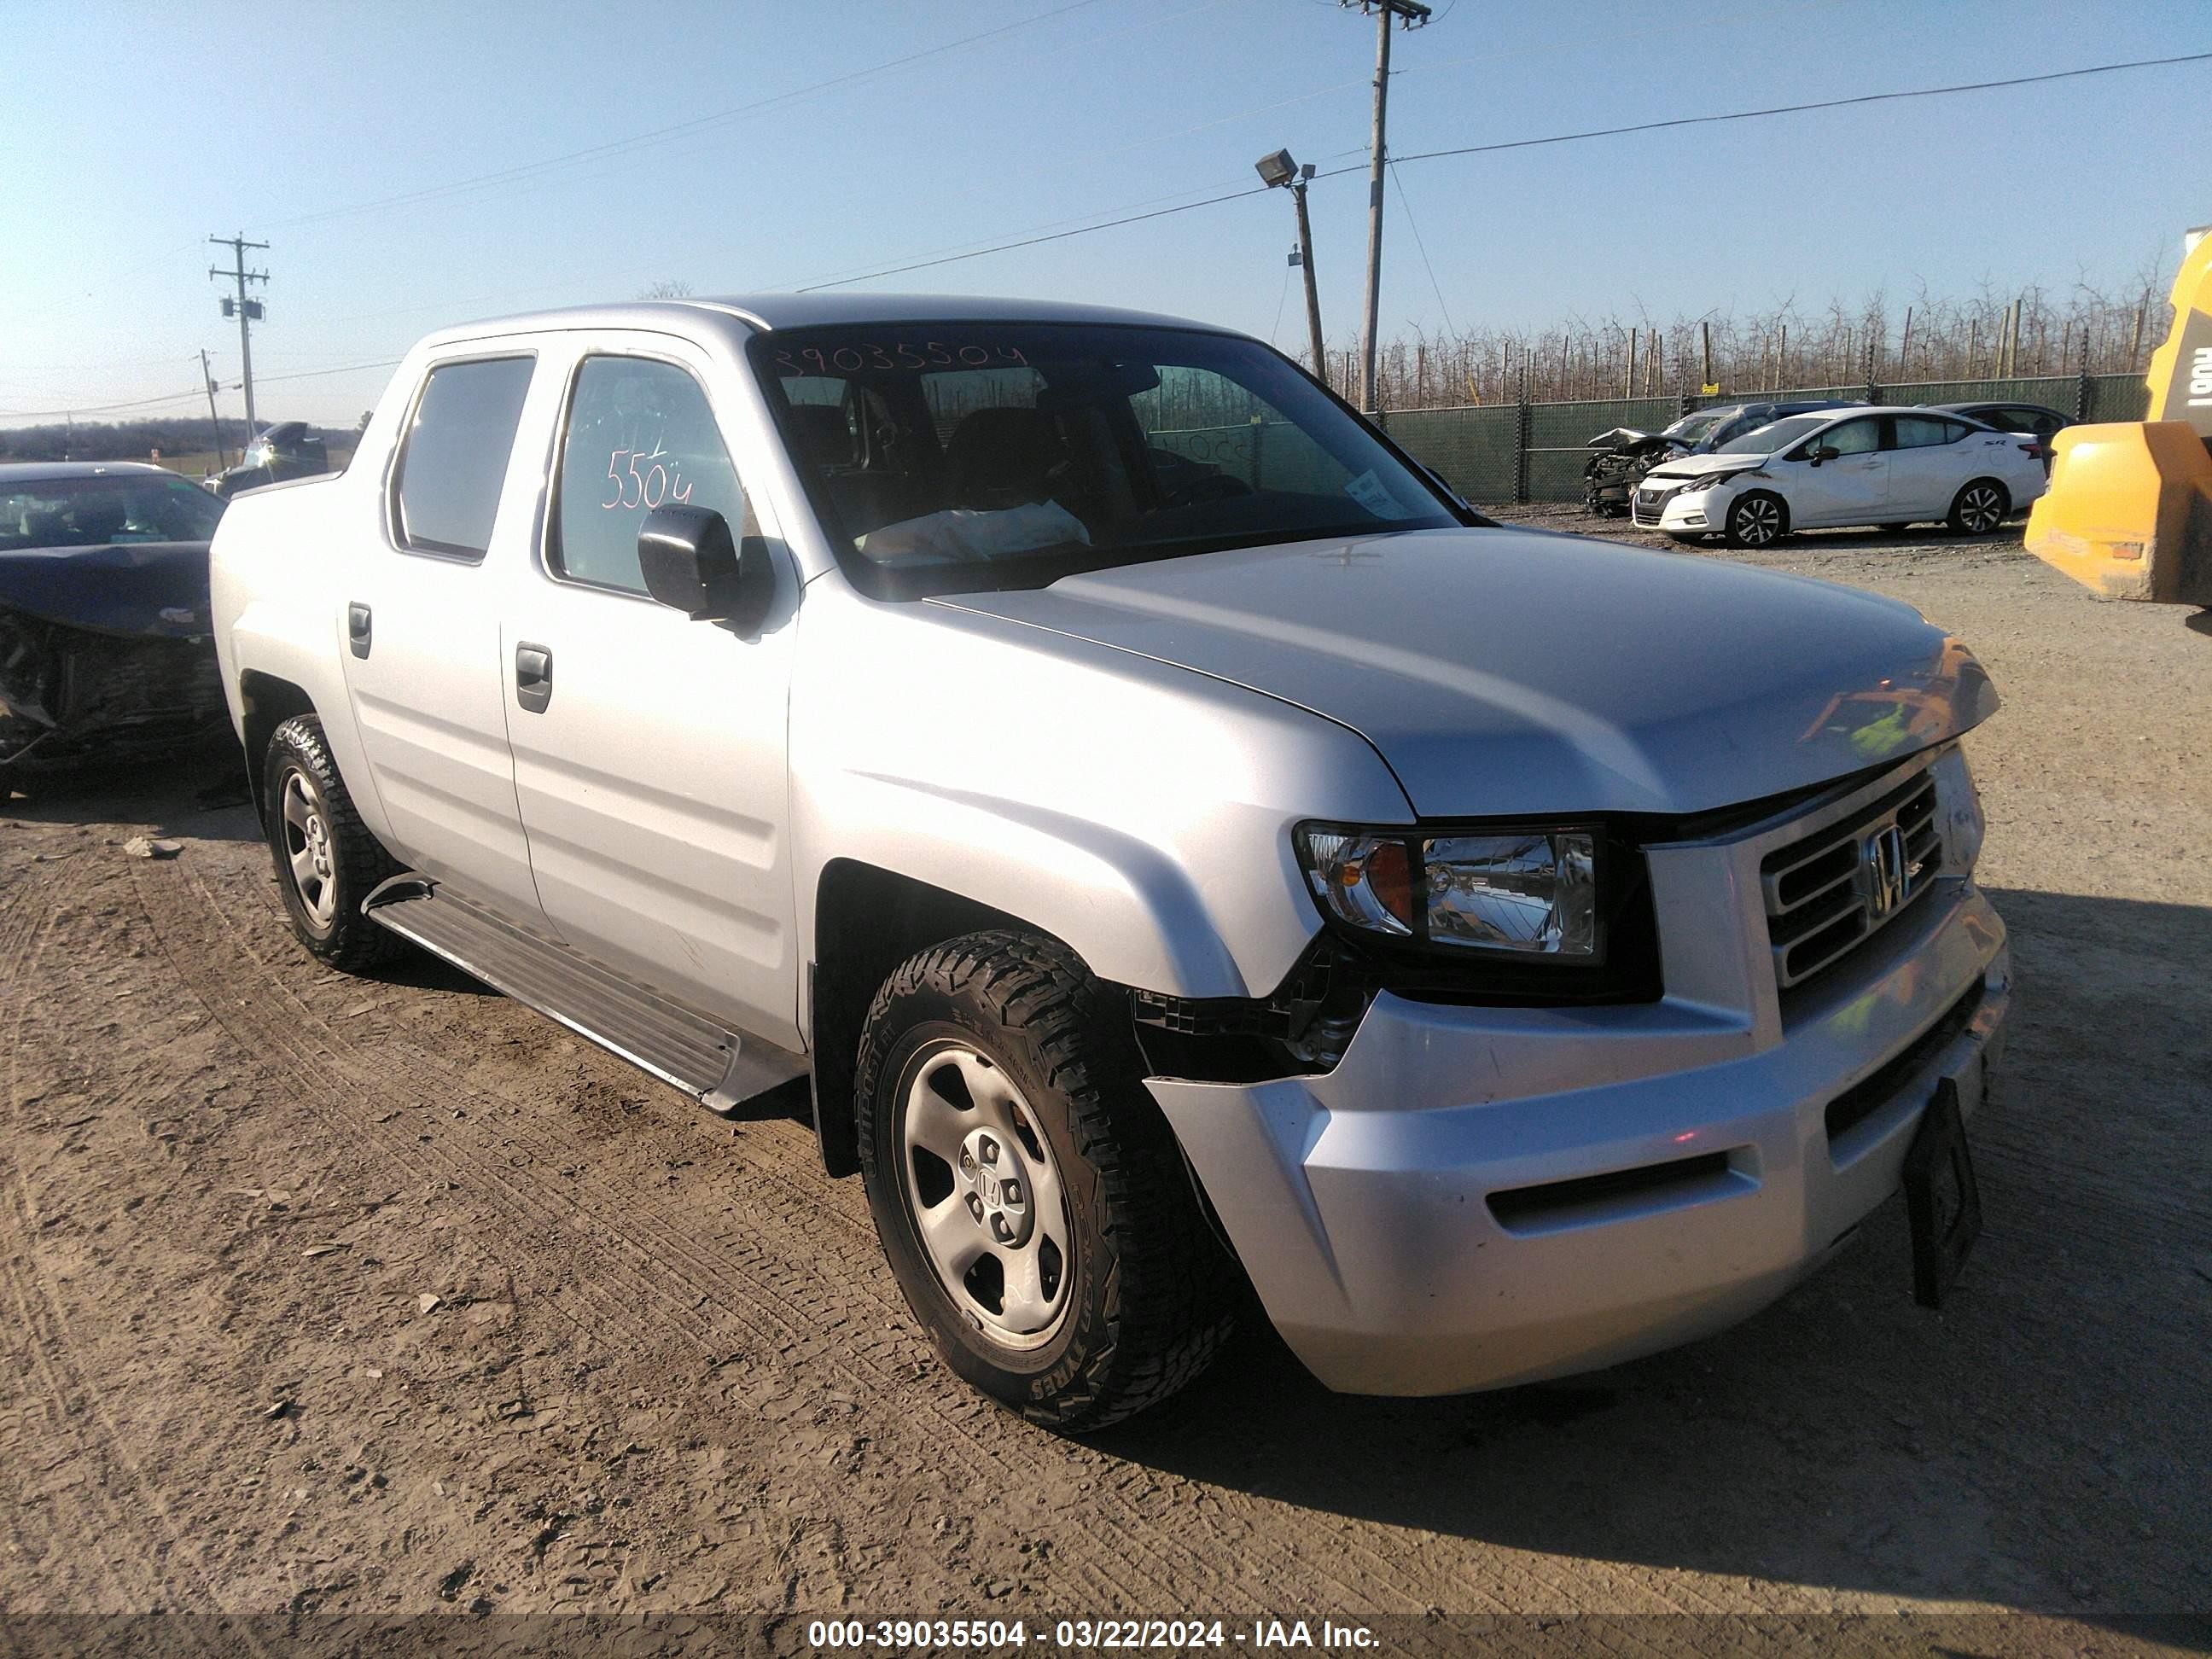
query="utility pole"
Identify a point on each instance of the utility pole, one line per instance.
(1412, 14)
(247, 310)
(222, 459)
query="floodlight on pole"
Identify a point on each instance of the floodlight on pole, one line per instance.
(1279, 171)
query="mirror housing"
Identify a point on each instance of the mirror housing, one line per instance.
(1820, 452)
(690, 564)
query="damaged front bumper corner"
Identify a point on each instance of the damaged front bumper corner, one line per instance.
(73, 697)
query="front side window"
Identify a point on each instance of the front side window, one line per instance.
(1854, 437)
(965, 456)
(453, 463)
(639, 435)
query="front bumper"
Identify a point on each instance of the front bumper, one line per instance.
(1682, 513)
(1479, 1197)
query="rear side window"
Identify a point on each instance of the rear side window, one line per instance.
(1925, 432)
(640, 435)
(453, 460)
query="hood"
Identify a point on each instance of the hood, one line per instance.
(1627, 437)
(1695, 466)
(1501, 673)
(158, 588)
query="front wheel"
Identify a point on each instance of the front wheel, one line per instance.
(1978, 507)
(327, 861)
(1759, 520)
(1032, 1201)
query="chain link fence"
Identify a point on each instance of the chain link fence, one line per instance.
(1532, 452)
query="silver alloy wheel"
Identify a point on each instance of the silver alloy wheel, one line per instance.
(1981, 509)
(984, 1193)
(308, 847)
(1758, 521)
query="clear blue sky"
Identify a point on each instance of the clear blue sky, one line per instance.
(136, 130)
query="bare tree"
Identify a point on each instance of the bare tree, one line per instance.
(2084, 331)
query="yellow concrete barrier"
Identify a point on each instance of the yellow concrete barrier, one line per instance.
(2128, 513)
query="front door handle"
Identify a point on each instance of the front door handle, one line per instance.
(357, 629)
(534, 677)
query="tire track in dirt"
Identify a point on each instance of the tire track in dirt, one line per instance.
(119, 1490)
(796, 1315)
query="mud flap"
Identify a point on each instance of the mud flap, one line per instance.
(1940, 1199)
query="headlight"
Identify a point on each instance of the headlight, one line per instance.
(1713, 480)
(1532, 892)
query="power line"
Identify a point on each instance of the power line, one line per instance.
(97, 409)
(181, 397)
(1799, 109)
(1031, 241)
(1412, 225)
(661, 134)
(347, 368)
(1526, 143)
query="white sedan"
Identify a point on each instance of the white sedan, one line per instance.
(1866, 465)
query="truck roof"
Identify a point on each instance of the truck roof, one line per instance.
(782, 311)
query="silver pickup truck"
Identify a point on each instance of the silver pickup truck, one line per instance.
(1165, 839)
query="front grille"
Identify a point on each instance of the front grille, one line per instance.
(1647, 502)
(1826, 894)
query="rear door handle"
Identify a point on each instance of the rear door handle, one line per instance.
(534, 677)
(357, 629)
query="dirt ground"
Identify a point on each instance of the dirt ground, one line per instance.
(325, 1295)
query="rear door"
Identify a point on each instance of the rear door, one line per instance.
(1853, 488)
(419, 630)
(649, 750)
(1931, 455)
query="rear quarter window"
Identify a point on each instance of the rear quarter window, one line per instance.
(452, 461)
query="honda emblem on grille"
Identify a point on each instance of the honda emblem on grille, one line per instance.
(1882, 871)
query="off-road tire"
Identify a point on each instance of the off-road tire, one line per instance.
(349, 941)
(1749, 524)
(1151, 1294)
(1972, 512)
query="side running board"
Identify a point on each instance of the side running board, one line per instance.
(720, 1068)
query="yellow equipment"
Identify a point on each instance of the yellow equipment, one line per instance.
(2128, 512)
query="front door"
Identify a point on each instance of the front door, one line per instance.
(1850, 488)
(649, 750)
(419, 634)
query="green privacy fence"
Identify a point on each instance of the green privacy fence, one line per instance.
(1530, 451)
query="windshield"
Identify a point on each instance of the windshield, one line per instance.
(956, 457)
(1693, 428)
(103, 508)
(1767, 439)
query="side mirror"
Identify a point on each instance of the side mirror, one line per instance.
(690, 564)
(1823, 452)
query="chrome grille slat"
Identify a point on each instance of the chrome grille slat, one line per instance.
(1819, 891)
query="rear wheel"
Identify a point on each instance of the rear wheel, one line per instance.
(327, 861)
(1758, 520)
(1978, 507)
(1032, 1201)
